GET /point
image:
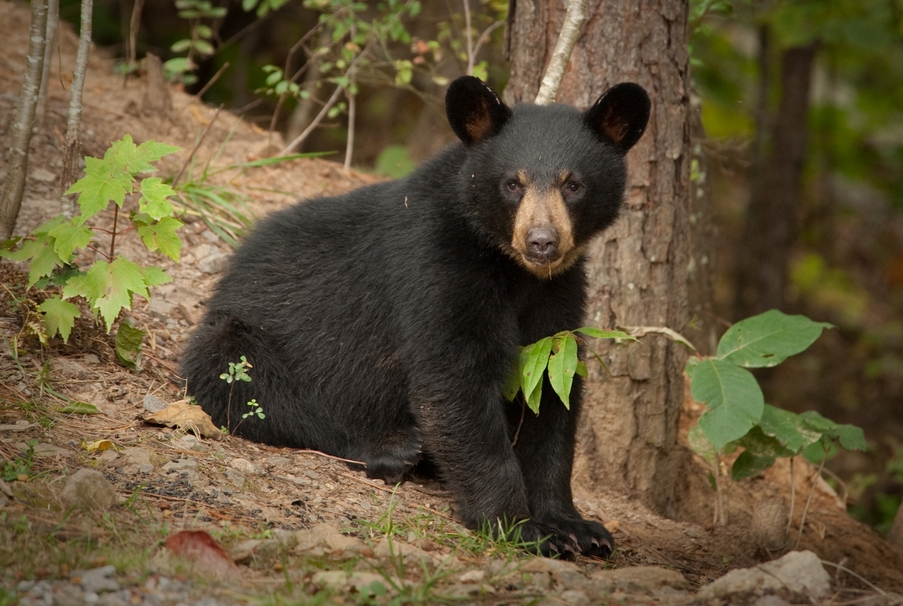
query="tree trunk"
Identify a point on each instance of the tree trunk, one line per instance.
(17, 163)
(638, 269)
(772, 217)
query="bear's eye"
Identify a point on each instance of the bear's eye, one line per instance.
(573, 187)
(512, 186)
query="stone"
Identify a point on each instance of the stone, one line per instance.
(153, 404)
(637, 579)
(245, 466)
(799, 574)
(325, 538)
(98, 580)
(88, 488)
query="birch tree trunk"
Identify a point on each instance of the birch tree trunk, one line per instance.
(638, 269)
(17, 163)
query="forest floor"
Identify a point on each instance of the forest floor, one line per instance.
(298, 527)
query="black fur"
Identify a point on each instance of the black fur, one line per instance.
(382, 324)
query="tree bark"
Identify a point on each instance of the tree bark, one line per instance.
(773, 215)
(638, 269)
(17, 164)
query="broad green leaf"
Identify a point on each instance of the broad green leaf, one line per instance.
(759, 443)
(109, 287)
(43, 258)
(101, 184)
(155, 276)
(562, 366)
(701, 444)
(153, 198)
(768, 339)
(788, 428)
(59, 316)
(749, 464)
(604, 334)
(849, 436)
(150, 151)
(68, 237)
(162, 236)
(734, 399)
(128, 344)
(535, 358)
(581, 369)
(512, 385)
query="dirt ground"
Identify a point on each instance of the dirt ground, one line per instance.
(250, 489)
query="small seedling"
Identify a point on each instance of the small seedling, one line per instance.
(238, 371)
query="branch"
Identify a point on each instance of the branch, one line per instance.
(14, 184)
(570, 31)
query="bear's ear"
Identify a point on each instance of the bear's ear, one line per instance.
(474, 110)
(620, 115)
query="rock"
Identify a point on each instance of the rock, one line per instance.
(213, 263)
(89, 489)
(473, 576)
(245, 466)
(160, 308)
(405, 551)
(797, 575)
(637, 579)
(361, 582)
(325, 538)
(64, 368)
(575, 597)
(98, 580)
(137, 455)
(769, 523)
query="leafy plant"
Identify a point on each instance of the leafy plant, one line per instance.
(556, 357)
(737, 414)
(110, 283)
(20, 466)
(238, 371)
(200, 44)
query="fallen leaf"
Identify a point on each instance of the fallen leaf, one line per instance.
(183, 415)
(100, 445)
(208, 556)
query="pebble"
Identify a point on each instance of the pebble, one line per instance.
(99, 586)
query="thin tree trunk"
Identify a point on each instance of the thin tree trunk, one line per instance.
(14, 184)
(638, 269)
(72, 152)
(774, 206)
(53, 23)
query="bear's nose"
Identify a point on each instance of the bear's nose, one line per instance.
(542, 243)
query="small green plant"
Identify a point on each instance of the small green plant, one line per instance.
(200, 44)
(238, 371)
(556, 356)
(110, 283)
(20, 466)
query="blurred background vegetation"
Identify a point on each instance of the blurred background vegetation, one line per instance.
(801, 105)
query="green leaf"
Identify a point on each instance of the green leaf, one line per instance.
(788, 428)
(734, 399)
(162, 236)
(749, 464)
(109, 287)
(69, 236)
(563, 366)
(79, 408)
(153, 198)
(701, 445)
(43, 258)
(581, 369)
(128, 344)
(103, 181)
(59, 316)
(155, 276)
(761, 444)
(534, 359)
(768, 339)
(849, 436)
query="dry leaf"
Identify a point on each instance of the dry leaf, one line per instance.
(100, 445)
(204, 551)
(183, 415)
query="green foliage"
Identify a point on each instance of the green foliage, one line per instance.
(394, 162)
(20, 466)
(557, 358)
(736, 414)
(110, 284)
(238, 371)
(200, 44)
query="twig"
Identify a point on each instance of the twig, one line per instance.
(792, 497)
(314, 123)
(134, 24)
(809, 500)
(197, 145)
(207, 86)
(469, 37)
(485, 36)
(855, 574)
(570, 30)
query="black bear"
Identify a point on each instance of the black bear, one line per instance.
(382, 325)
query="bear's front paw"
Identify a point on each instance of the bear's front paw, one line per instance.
(566, 538)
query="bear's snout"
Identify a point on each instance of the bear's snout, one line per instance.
(542, 244)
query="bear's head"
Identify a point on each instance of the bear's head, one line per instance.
(540, 181)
